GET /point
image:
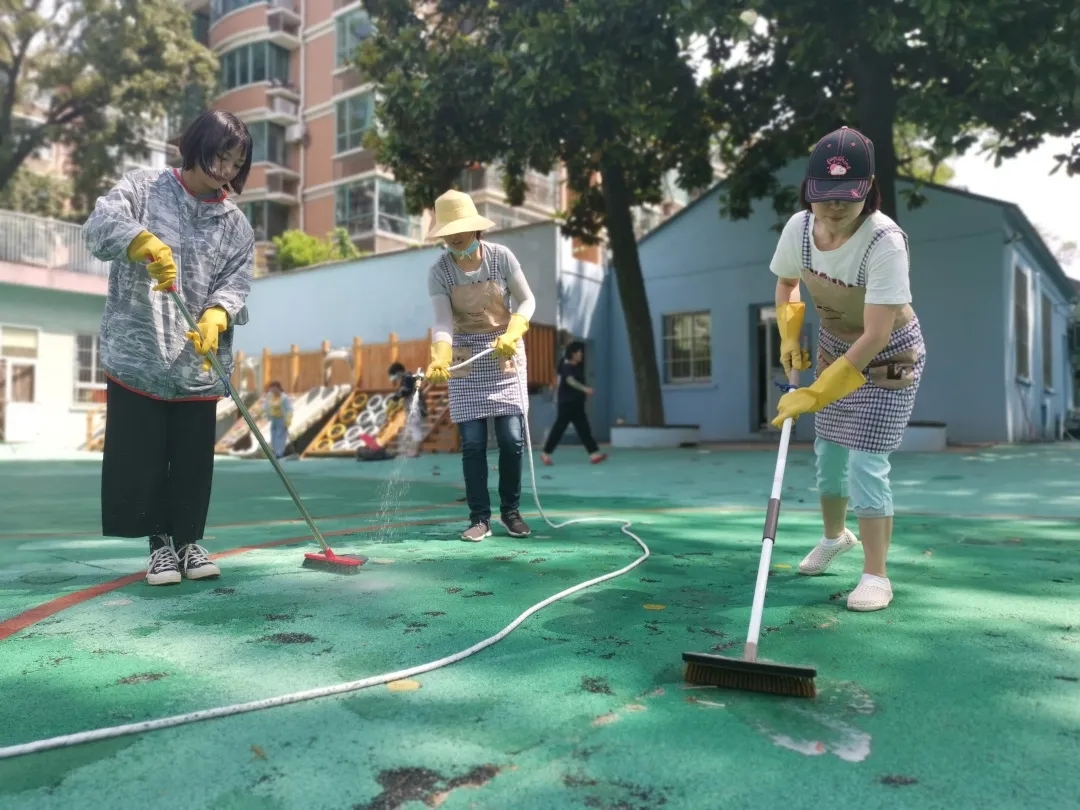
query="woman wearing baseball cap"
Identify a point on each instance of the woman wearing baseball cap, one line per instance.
(854, 262)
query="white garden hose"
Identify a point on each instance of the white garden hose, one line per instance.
(68, 740)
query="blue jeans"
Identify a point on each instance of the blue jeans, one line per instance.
(862, 477)
(279, 436)
(509, 431)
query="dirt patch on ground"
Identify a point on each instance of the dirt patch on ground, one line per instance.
(597, 686)
(144, 677)
(401, 786)
(289, 638)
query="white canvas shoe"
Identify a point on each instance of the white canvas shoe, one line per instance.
(825, 552)
(872, 593)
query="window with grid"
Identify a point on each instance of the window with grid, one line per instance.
(393, 216)
(267, 142)
(257, 62)
(89, 375)
(1047, 342)
(268, 219)
(355, 206)
(349, 31)
(687, 347)
(354, 117)
(1022, 321)
(219, 8)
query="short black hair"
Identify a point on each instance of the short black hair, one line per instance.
(396, 368)
(275, 384)
(211, 134)
(571, 348)
(873, 197)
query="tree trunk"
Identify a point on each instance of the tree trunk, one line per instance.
(875, 106)
(635, 305)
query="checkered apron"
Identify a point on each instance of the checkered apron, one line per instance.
(490, 386)
(873, 418)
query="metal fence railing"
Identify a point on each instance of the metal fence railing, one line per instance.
(42, 242)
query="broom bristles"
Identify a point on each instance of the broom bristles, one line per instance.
(749, 676)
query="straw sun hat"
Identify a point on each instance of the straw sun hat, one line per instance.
(455, 212)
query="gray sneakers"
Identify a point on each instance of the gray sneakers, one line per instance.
(477, 532)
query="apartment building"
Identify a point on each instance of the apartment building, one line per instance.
(286, 71)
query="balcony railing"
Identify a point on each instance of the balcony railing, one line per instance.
(50, 243)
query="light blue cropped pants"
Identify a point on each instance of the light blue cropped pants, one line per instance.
(861, 477)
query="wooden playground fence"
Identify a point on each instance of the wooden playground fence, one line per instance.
(364, 365)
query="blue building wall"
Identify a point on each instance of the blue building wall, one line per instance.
(1036, 402)
(700, 262)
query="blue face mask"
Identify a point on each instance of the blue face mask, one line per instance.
(469, 251)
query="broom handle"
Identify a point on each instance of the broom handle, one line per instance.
(213, 358)
(772, 514)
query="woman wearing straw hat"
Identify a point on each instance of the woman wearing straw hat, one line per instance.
(481, 300)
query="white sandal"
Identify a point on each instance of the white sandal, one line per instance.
(870, 595)
(822, 555)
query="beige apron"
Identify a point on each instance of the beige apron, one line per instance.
(479, 309)
(488, 387)
(840, 311)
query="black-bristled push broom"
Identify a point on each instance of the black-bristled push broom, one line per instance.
(748, 673)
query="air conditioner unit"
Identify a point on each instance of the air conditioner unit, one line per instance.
(294, 133)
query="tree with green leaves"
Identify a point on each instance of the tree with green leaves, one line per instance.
(30, 192)
(97, 76)
(295, 248)
(603, 87)
(950, 71)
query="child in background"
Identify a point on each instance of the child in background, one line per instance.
(280, 410)
(165, 229)
(407, 389)
(572, 394)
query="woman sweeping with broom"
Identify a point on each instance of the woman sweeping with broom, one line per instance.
(160, 230)
(853, 260)
(481, 300)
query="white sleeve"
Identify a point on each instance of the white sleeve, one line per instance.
(787, 261)
(887, 272)
(443, 328)
(525, 303)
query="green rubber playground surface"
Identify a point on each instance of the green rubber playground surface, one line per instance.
(965, 693)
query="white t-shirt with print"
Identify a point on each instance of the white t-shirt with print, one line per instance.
(887, 269)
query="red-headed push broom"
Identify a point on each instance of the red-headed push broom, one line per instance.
(747, 672)
(327, 560)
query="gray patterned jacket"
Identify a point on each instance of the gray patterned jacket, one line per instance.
(143, 336)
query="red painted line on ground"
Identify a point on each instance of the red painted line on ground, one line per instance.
(16, 624)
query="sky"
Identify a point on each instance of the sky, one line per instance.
(1051, 203)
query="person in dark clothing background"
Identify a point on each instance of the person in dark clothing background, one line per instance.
(571, 399)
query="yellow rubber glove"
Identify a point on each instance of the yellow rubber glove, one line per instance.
(442, 355)
(836, 382)
(162, 268)
(212, 323)
(506, 344)
(789, 322)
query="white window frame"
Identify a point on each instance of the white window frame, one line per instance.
(1020, 270)
(668, 337)
(9, 362)
(91, 386)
